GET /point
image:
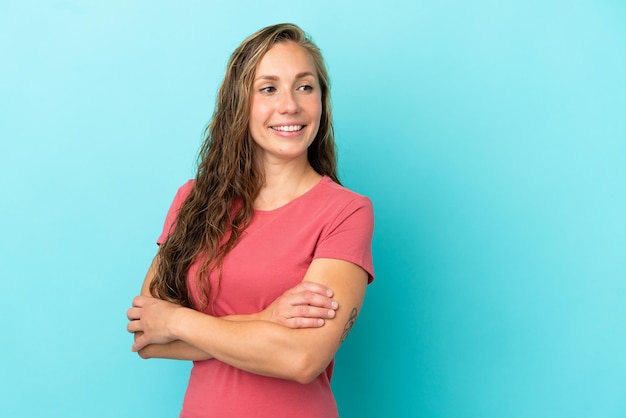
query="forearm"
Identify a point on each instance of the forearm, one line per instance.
(175, 350)
(258, 347)
(181, 350)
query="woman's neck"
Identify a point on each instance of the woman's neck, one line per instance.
(283, 183)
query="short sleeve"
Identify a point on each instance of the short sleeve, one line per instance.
(349, 236)
(172, 213)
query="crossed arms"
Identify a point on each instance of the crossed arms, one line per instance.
(295, 338)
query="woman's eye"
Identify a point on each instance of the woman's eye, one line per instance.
(306, 87)
(267, 90)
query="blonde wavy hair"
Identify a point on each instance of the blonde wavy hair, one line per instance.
(229, 178)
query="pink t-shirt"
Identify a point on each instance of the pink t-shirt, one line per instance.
(274, 253)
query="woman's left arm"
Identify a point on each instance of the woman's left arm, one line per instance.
(260, 347)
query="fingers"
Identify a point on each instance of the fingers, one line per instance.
(134, 316)
(313, 287)
(302, 316)
(133, 313)
(139, 343)
(313, 299)
(306, 305)
(138, 301)
(303, 322)
(308, 311)
(134, 326)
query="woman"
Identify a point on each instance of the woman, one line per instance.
(251, 248)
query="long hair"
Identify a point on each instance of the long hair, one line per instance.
(220, 206)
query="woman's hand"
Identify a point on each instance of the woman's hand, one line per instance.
(150, 321)
(306, 305)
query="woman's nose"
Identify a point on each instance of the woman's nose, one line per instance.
(288, 104)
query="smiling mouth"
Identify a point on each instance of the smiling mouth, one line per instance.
(288, 128)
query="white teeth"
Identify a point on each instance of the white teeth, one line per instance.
(290, 128)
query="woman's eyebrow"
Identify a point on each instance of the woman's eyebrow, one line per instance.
(305, 74)
(275, 78)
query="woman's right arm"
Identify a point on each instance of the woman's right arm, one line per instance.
(305, 305)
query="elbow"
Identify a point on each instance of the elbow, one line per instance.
(306, 378)
(307, 367)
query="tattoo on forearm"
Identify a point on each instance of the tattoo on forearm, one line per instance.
(349, 324)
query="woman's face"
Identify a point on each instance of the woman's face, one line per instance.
(286, 103)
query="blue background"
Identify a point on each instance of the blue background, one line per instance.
(490, 135)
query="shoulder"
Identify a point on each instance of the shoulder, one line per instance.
(182, 193)
(186, 188)
(172, 214)
(336, 204)
(341, 196)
